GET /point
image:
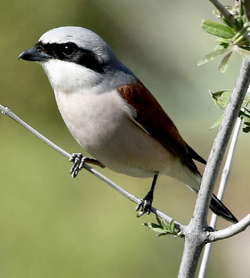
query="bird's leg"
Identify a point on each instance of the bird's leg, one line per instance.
(146, 203)
(79, 160)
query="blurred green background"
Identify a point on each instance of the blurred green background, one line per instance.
(56, 226)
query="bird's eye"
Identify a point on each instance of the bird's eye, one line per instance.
(40, 48)
(68, 49)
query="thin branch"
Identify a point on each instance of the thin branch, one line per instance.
(246, 6)
(222, 188)
(230, 231)
(6, 111)
(228, 164)
(224, 11)
(193, 245)
(227, 15)
(220, 143)
(194, 235)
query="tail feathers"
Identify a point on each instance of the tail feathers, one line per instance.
(221, 210)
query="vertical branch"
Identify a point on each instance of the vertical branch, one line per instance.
(194, 240)
(222, 187)
(221, 141)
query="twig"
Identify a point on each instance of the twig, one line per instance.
(230, 231)
(246, 6)
(194, 240)
(6, 111)
(227, 15)
(224, 11)
(222, 187)
(223, 136)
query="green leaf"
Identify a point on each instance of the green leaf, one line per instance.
(155, 227)
(221, 98)
(162, 234)
(245, 53)
(222, 40)
(171, 225)
(163, 228)
(213, 55)
(216, 123)
(246, 129)
(158, 220)
(159, 230)
(217, 29)
(222, 45)
(225, 62)
(152, 226)
(228, 23)
(246, 100)
(165, 225)
(223, 19)
(245, 116)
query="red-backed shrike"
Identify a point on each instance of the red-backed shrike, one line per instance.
(112, 115)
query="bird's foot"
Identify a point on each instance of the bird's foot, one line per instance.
(145, 205)
(79, 160)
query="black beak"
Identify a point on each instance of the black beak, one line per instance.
(35, 53)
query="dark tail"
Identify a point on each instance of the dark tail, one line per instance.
(221, 210)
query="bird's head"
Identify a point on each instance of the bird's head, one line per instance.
(77, 58)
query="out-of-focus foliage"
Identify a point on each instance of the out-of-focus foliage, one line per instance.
(231, 37)
(221, 99)
(56, 226)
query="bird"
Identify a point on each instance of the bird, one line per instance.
(112, 115)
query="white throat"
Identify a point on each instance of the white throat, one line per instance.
(70, 77)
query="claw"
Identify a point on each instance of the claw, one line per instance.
(144, 206)
(79, 160)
